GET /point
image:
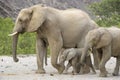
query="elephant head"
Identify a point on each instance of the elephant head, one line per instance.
(96, 39)
(28, 20)
(67, 54)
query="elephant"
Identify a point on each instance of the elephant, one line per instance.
(106, 41)
(54, 28)
(73, 56)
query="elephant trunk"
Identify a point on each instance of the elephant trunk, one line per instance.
(84, 54)
(14, 46)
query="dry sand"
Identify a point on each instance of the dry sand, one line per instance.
(26, 67)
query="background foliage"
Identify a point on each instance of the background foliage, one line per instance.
(26, 42)
(107, 12)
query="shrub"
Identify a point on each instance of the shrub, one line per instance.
(107, 12)
(5, 41)
(26, 43)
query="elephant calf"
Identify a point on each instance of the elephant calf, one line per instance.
(73, 56)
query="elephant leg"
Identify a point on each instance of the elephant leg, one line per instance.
(75, 65)
(116, 70)
(78, 66)
(67, 67)
(55, 48)
(95, 57)
(100, 54)
(40, 49)
(74, 68)
(93, 70)
(105, 57)
(54, 59)
(84, 69)
(89, 63)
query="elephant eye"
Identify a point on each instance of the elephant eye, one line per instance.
(20, 20)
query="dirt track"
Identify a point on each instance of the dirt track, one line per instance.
(25, 70)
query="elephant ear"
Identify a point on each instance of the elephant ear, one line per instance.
(105, 39)
(37, 18)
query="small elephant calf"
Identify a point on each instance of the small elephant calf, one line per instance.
(73, 56)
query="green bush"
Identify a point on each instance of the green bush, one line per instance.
(26, 43)
(107, 12)
(5, 41)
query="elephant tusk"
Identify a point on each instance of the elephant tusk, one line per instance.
(13, 34)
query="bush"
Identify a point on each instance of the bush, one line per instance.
(26, 43)
(5, 41)
(107, 12)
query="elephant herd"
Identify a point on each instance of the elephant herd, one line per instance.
(71, 35)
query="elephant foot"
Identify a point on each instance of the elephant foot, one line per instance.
(115, 74)
(42, 71)
(93, 72)
(103, 74)
(65, 72)
(81, 73)
(74, 73)
(85, 70)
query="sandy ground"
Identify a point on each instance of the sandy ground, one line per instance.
(26, 67)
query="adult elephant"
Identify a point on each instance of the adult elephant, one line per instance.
(58, 28)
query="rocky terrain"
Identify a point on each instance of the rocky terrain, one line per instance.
(10, 8)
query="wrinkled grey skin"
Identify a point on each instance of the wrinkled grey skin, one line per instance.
(56, 28)
(107, 42)
(73, 56)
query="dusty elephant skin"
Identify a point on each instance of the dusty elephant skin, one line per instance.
(106, 41)
(58, 28)
(73, 56)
